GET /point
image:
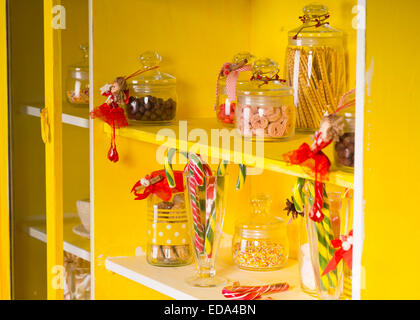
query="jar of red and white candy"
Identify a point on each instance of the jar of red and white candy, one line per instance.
(225, 107)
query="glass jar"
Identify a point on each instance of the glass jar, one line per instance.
(168, 241)
(315, 67)
(225, 109)
(153, 98)
(344, 147)
(306, 272)
(260, 242)
(265, 110)
(77, 84)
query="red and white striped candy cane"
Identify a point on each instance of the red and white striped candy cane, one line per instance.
(238, 292)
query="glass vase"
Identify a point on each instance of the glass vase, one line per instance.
(206, 203)
(320, 235)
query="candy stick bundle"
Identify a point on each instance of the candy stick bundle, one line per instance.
(238, 292)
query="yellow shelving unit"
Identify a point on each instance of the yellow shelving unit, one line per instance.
(195, 37)
(273, 152)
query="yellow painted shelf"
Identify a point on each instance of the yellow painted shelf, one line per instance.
(73, 243)
(273, 151)
(171, 281)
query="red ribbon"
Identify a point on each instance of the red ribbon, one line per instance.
(111, 113)
(161, 188)
(313, 160)
(344, 252)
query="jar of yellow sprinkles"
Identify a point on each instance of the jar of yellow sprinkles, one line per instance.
(260, 242)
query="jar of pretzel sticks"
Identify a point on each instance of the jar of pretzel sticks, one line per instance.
(266, 110)
(315, 67)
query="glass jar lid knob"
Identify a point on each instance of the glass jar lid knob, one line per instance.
(150, 59)
(266, 67)
(242, 56)
(315, 10)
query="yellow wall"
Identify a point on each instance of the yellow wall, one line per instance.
(391, 257)
(194, 37)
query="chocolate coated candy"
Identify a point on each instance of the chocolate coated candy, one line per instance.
(151, 108)
(345, 149)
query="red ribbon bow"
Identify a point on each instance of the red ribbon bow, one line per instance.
(344, 252)
(317, 163)
(161, 188)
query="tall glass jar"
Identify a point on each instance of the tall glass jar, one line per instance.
(225, 109)
(168, 241)
(344, 148)
(315, 67)
(265, 110)
(77, 84)
(153, 97)
(260, 242)
(335, 223)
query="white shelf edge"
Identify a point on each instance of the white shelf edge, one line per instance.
(68, 247)
(66, 118)
(147, 281)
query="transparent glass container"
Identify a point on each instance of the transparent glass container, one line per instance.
(345, 147)
(153, 98)
(321, 251)
(168, 240)
(206, 206)
(77, 83)
(260, 242)
(265, 111)
(315, 68)
(225, 109)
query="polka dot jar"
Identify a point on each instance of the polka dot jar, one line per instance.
(168, 242)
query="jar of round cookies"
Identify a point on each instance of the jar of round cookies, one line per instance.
(265, 108)
(153, 97)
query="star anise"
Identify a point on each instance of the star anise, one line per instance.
(290, 208)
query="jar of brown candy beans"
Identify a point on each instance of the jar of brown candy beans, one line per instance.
(153, 98)
(344, 147)
(265, 110)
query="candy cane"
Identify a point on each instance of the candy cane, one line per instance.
(237, 292)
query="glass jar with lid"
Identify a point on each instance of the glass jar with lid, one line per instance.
(153, 97)
(265, 107)
(77, 84)
(225, 109)
(260, 242)
(344, 148)
(315, 67)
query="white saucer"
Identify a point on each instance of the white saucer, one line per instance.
(81, 231)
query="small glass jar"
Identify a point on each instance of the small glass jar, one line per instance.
(225, 109)
(168, 241)
(153, 97)
(77, 84)
(265, 111)
(344, 148)
(260, 242)
(315, 67)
